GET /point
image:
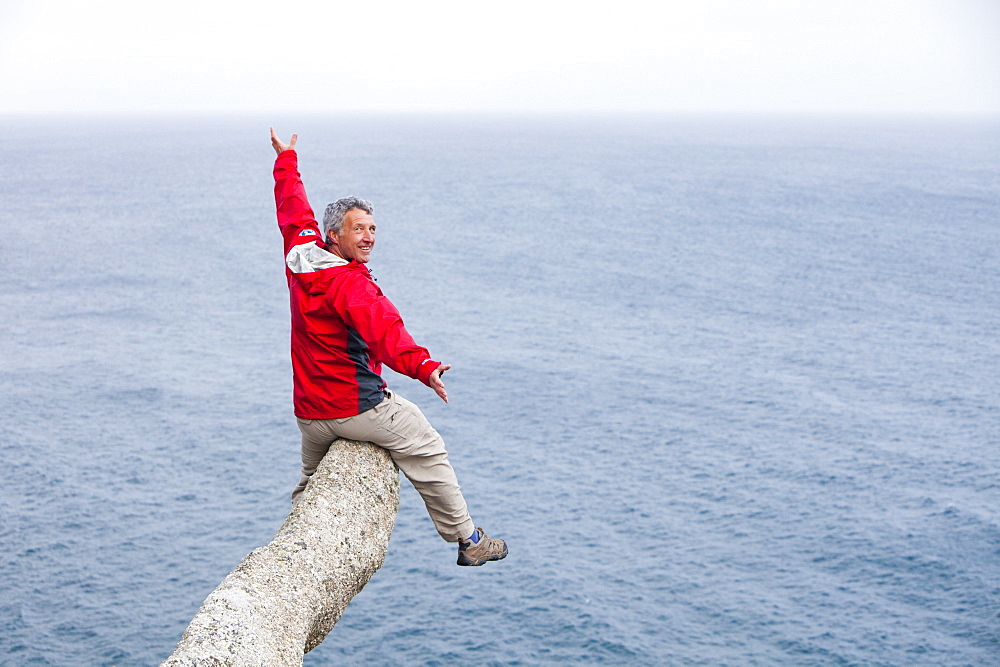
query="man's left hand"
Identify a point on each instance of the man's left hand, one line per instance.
(435, 381)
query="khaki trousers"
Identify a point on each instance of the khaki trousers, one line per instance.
(398, 426)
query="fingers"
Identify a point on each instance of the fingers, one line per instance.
(435, 379)
(437, 384)
(279, 146)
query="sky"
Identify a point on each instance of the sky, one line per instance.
(834, 56)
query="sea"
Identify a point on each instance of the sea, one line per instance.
(727, 385)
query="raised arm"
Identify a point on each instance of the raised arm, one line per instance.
(295, 217)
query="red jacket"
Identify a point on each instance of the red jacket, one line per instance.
(343, 327)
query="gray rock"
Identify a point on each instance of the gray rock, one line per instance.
(283, 598)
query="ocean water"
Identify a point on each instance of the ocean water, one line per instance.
(728, 386)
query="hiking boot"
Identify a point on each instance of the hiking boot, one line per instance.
(477, 553)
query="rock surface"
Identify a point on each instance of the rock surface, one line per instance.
(283, 598)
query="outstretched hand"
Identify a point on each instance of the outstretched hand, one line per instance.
(435, 381)
(279, 146)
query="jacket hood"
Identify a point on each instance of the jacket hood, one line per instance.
(315, 268)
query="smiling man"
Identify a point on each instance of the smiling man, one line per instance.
(343, 330)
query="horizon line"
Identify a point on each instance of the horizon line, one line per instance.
(219, 112)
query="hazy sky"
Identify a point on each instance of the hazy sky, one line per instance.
(190, 55)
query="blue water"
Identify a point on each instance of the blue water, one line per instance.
(728, 386)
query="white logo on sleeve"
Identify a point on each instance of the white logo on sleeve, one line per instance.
(307, 232)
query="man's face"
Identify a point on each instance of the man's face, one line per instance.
(356, 238)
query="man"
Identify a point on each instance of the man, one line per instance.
(343, 330)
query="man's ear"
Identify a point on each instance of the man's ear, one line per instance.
(331, 239)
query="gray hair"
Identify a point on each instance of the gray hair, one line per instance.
(333, 218)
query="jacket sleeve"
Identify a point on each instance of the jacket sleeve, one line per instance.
(295, 218)
(365, 309)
